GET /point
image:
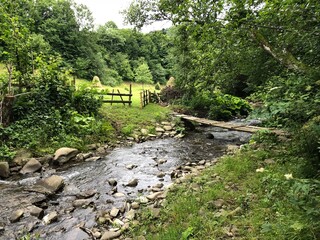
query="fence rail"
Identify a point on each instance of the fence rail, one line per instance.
(118, 94)
(147, 97)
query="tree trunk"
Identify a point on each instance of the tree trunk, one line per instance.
(6, 110)
(283, 56)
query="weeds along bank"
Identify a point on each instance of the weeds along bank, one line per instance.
(260, 192)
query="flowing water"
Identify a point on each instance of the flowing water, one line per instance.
(93, 176)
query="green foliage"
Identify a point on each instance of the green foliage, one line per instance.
(112, 78)
(307, 145)
(157, 86)
(6, 154)
(143, 74)
(219, 106)
(290, 100)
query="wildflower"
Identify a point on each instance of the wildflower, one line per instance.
(260, 170)
(288, 176)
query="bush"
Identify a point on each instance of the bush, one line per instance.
(157, 86)
(219, 106)
(290, 100)
(112, 78)
(54, 114)
(169, 94)
(307, 144)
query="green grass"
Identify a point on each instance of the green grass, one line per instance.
(128, 119)
(257, 205)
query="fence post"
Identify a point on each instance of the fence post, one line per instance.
(130, 92)
(141, 99)
(112, 97)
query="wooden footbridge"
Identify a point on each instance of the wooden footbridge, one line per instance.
(229, 125)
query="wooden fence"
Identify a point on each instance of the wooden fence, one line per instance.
(144, 98)
(147, 97)
(120, 95)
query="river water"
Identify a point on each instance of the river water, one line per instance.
(139, 161)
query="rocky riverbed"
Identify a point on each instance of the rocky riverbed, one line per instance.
(97, 195)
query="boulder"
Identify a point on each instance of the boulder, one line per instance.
(154, 196)
(162, 161)
(49, 185)
(132, 183)
(81, 203)
(112, 182)
(36, 211)
(168, 128)
(131, 166)
(119, 195)
(31, 166)
(65, 154)
(76, 234)
(4, 169)
(51, 217)
(108, 235)
(16, 215)
(209, 136)
(114, 212)
(131, 215)
(87, 194)
(135, 205)
(160, 130)
(144, 131)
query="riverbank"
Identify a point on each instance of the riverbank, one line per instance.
(258, 193)
(102, 196)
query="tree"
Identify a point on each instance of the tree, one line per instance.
(277, 26)
(143, 74)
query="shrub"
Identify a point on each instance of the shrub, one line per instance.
(219, 106)
(169, 94)
(157, 86)
(96, 83)
(307, 144)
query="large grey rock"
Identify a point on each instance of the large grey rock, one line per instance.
(160, 130)
(112, 182)
(131, 215)
(168, 128)
(65, 154)
(81, 203)
(31, 166)
(132, 183)
(154, 196)
(49, 185)
(36, 211)
(16, 216)
(4, 170)
(108, 235)
(50, 218)
(76, 234)
(114, 212)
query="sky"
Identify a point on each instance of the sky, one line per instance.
(109, 10)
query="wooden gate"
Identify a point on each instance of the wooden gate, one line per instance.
(120, 95)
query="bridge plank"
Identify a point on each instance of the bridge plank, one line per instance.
(230, 126)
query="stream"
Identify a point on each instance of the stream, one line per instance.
(150, 163)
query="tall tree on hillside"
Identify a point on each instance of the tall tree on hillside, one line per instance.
(143, 74)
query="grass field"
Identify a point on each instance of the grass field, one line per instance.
(126, 118)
